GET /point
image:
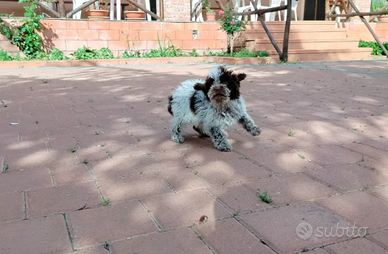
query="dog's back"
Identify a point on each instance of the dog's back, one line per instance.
(181, 96)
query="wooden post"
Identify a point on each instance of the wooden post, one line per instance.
(144, 9)
(284, 56)
(270, 36)
(62, 11)
(357, 14)
(80, 8)
(369, 28)
(49, 11)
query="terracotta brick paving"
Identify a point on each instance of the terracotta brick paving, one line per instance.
(88, 165)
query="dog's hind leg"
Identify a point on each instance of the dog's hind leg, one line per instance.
(200, 131)
(176, 128)
(248, 124)
(219, 139)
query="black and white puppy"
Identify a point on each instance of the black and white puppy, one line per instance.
(210, 105)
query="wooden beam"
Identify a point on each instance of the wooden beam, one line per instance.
(270, 36)
(144, 9)
(369, 28)
(80, 8)
(358, 14)
(49, 11)
(62, 11)
(220, 5)
(284, 56)
(262, 11)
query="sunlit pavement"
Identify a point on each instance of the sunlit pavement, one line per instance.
(88, 165)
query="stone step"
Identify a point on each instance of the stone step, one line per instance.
(296, 26)
(317, 55)
(265, 44)
(297, 35)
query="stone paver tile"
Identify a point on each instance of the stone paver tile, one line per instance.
(93, 153)
(355, 246)
(238, 198)
(177, 241)
(157, 143)
(11, 206)
(37, 159)
(42, 235)
(32, 136)
(71, 174)
(122, 151)
(134, 165)
(380, 238)
(330, 155)
(26, 148)
(297, 138)
(366, 150)
(228, 236)
(109, 223)
(359, 207)
(349, 177)
(99, 249)
(184, 208)
(284, 161)
(290, 188)
(46, 201)
(226, 172)
(121, 186)
(381, 191)
(22, 180)
(316, 251)
(278, 226)
(182, 180)
(173, 159)
(380, 165)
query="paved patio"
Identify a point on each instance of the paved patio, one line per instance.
(88, 165)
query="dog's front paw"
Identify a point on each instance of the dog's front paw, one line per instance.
(225, 147)
(255, 131)
(178, 139)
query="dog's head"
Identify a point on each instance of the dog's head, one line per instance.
(221, 86)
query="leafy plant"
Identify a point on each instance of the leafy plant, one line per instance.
(56, 54)
(5, 56)
(231, 25)
(25, 36)
(86, 53)
(207, 6)
(165, 50)
(264, 197)
(376, 50)
(376, 5)
(242, 53)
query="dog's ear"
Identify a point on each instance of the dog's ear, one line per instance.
(199, 87)
(241, 76)
(204, 87)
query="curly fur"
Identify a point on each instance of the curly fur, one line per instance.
(211, 105)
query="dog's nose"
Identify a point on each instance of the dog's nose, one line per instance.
(219, 89)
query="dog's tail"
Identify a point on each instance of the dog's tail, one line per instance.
(169, 105)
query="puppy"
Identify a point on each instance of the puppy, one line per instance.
(210, 105)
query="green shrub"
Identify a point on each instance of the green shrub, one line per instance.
(25, 36)
(5, 56)
(376, 50)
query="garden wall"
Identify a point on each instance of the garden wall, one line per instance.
(69, 35)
